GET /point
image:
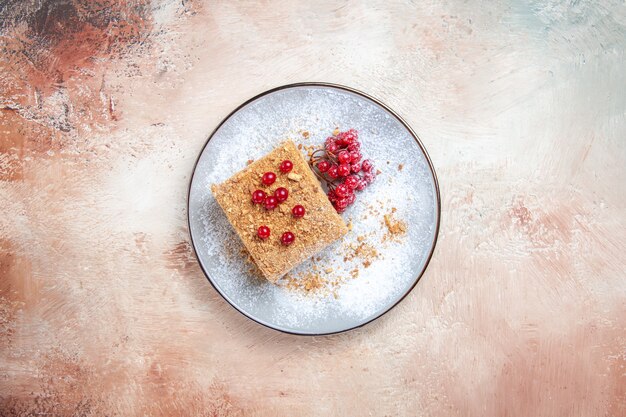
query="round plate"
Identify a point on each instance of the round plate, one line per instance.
(367, 272)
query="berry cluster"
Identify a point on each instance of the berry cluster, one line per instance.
(270, 202)
(341, 167)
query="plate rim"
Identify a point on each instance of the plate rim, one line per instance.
(385, 107)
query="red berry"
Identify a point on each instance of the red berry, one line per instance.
(281, 194)
(333, 171)
(355, 168)
(323, 165)
(332, 148)
(343, 170)
(342, 190)
(342, 203)
(354, 146)
(344, 157)
(263, 232)
(361, 186)
(367, 165)
(330, 141)
(355, 156)
(298, 211)
(258, 197)
(351, 198)
(287, 238)
(368, 177)
(332, 197)
(286, 166)
(270, 203)
(351, 181)
(269, 178)
(348, 137)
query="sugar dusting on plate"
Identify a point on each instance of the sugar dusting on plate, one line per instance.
(392, 222)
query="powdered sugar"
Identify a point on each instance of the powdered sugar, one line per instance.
(254, 131)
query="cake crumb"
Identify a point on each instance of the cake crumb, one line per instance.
(336, 131)
(305, 134)
(294, 177)
(395, 227)
(249, 161)
(299, 146)
(400, 167)
(328, 270)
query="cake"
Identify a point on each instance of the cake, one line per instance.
(279, 210)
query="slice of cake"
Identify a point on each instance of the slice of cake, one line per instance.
(279, 211)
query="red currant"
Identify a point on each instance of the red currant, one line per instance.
(367, 165)
(355, 156)
(341, 204)
(270, 203)
(281, 194)
(286, 166)
(333, 171)
(351, 198)
(332, 197)
(351, 181)
(354, 146)
(298, 211)
(361, 186)
(330, 141)
(344, 157)
(343, 170)
(342, 190)
(269, 178)
(258, 197)
(263, 232)
(332, 148)
(323, 165)
(355, 168)
(287, 238)
(368, 177)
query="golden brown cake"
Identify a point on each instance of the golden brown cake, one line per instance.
(277, 254)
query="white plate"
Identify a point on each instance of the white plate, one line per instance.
(253, 130)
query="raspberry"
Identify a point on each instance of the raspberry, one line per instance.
(343, 170)
(269, 178)
(258, 197)
(287, 238)
(281, 194)
(323, 165)
(286, 166)
(263, 232)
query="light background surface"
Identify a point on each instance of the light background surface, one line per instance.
(105, 106)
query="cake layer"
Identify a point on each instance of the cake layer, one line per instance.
(320, 226)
